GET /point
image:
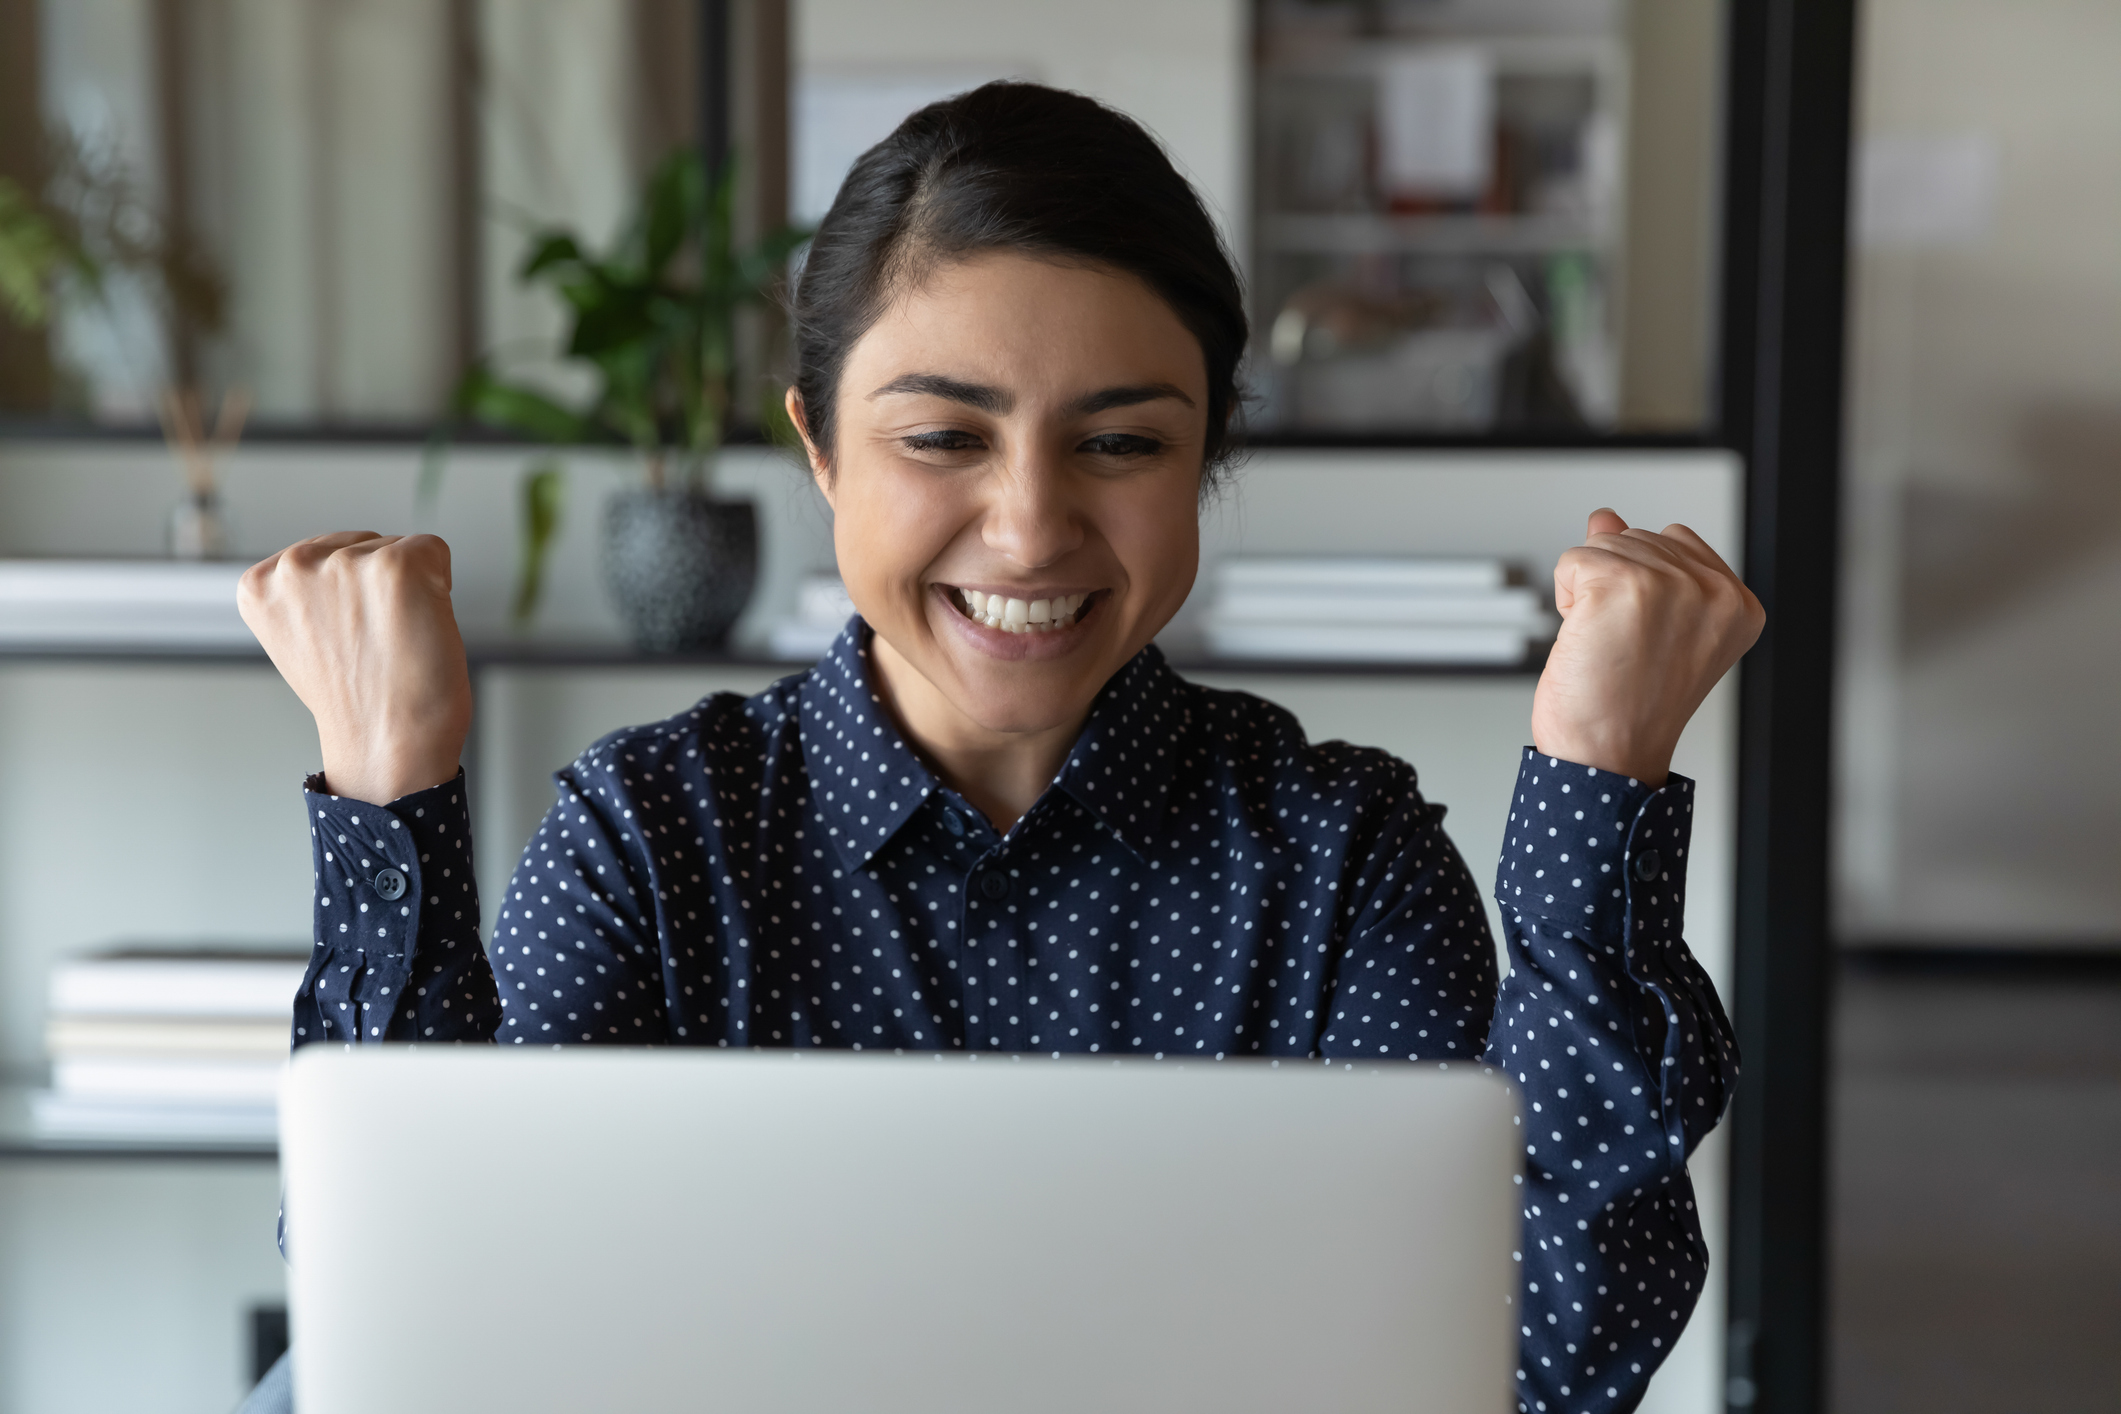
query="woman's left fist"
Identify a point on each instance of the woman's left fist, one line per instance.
(1649, 623)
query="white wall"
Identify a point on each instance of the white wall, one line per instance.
(124, 1284)
(1178, 66)
(1982, 549)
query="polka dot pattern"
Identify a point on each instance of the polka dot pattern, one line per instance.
(1625, 1061)
(362, 983)
(1198, 880)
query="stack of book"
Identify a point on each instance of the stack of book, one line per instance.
(166, 604)
(167, 1045)
(822, 609)
(1334, 610)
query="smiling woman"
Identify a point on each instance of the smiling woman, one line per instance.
(993, 818)
(990, 444)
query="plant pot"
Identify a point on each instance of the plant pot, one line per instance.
(680, 566)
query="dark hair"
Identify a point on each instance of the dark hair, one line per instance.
(1019, 167)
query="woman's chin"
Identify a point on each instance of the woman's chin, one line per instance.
(1024, 682)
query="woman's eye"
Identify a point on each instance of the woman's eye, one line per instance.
(948, 440)
(1122, 444)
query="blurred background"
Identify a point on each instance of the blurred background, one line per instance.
(272, 267)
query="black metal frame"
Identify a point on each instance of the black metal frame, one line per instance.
(1788, 93)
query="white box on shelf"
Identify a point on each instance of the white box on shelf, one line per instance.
(1425, 573)
(121, 603)
(221, 984)
(1369, 643)
(74, 1118)
(1520, 608)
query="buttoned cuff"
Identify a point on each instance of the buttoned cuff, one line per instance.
(1601, 855)
(371, 864)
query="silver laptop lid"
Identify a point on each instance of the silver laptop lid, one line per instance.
(767, 1232)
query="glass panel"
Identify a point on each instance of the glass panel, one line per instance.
(1979, 659)
(1485, 216)
(321, 204)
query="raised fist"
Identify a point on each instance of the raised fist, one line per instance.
(361, 627)
(1650, 622)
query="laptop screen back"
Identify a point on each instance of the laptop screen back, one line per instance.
(776, 1232)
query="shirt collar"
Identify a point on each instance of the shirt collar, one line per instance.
(865, 782)
(1122, 765)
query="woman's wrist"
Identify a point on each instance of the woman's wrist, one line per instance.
(1647, 762)
(380, 775)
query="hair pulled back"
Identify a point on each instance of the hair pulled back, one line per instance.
(1014, 167)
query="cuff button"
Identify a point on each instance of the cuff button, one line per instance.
(1646, 865)
(390, 884)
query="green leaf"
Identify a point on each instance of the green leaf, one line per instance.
(33, 251)
(672, 208)
(627, 317)
(549, 249)
(543, 491)
(773, 417)
(484, 398)
(759, 266)
(434, 460)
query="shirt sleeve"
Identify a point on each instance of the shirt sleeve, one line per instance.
(578, 942)
(1625, 1060)
(1608, 1027)
(396, 953)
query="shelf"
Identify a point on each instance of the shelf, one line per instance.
(617, 655)
(1369, 233)
(19, 1139)
(495, 655)
(1363, 56)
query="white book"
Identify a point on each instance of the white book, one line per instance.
(822, 600)
(72, 1117)
(230, 985)
(1383, 575)
(70, 1036)
(1519, 607)
(186, 1078)
(794, 642)
(1359, 643)
(142, 603)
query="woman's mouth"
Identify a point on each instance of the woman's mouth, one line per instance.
(1020, 615)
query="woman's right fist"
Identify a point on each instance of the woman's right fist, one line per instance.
(361, 627)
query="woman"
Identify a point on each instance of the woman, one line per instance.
(992, 817)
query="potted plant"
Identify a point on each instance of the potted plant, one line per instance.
(61, 242)
(654, 318)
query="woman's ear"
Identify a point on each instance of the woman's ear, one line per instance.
(819, 471)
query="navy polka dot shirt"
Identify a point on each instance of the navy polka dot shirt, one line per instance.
(1198, 880)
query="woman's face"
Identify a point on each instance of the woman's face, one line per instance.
(1015, 485)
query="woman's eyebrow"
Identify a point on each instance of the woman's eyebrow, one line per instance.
(1125, 397)
(983, 396)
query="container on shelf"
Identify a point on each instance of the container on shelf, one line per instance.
(154, 605)
(168, 1045)
(1418, 159)
(1411, 610)
(822, 609)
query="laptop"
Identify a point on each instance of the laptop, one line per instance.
(786, 1233)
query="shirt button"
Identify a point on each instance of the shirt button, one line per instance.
(994, 884)
(1646, 865)
(954, 822)
(390, 884)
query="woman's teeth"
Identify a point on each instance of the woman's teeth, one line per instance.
(1021, 615)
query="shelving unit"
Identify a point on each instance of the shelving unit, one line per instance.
(620, 656)
(498, 798)
(1493, 306)
(19, 1139)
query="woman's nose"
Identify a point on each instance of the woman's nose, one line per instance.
(1032, 520)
